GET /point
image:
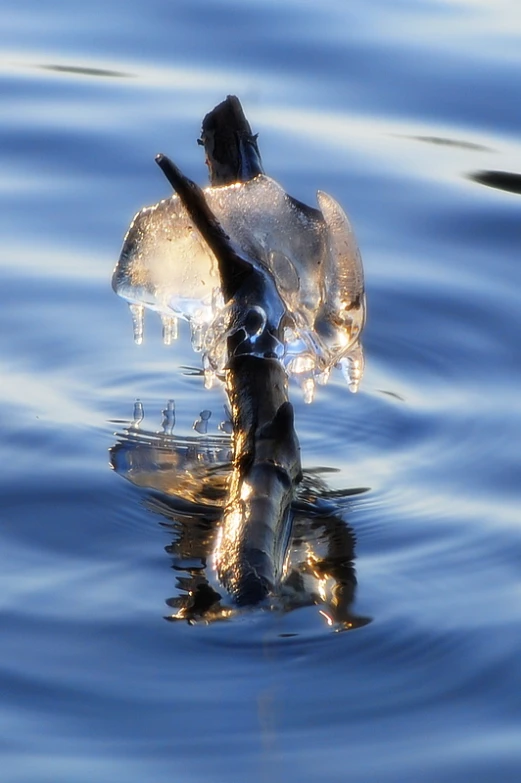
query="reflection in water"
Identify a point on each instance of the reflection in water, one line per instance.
(501, 180)
(187, 479)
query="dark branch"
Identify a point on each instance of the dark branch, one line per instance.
(256, 523)
(232, 153)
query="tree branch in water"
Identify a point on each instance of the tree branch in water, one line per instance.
(256, 523)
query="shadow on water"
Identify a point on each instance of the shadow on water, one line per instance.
(84, 71)
(442, 141)
(186, 481)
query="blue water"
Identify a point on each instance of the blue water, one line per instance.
(392, 108)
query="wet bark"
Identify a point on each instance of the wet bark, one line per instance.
(256, 523)
(232, 152)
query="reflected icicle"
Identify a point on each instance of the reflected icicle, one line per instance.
(137, 312)
(226, 425)
(170, 330)
(168, 422)
(138, 415)
(201, 424)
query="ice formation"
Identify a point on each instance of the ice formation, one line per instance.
(166, 266)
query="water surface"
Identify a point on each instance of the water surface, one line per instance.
(405, 114)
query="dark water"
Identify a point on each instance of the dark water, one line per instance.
(405, 112)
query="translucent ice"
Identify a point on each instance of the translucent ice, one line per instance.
(168, 422)
(169, 328)
(137, 311)
(226, 425)
(138, 415)
(201, 424)
(166, 266)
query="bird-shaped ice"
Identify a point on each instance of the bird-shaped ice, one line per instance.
(165, 265)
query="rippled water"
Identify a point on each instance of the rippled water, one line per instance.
(405, 113)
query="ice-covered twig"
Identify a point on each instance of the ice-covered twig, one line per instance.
(313, 270)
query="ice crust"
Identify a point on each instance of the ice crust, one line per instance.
(166, 266)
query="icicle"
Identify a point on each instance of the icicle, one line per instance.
(352, 367)
(168, 422)
(323, 377)
(169, 323)
(303, 364)
(197, 335)
(209, 374)
(138, 319)
(308, 389)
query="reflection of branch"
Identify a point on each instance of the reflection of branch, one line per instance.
(327, 580)
(193, 545)
(188, 478)
(338, 564)
(266, 456)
